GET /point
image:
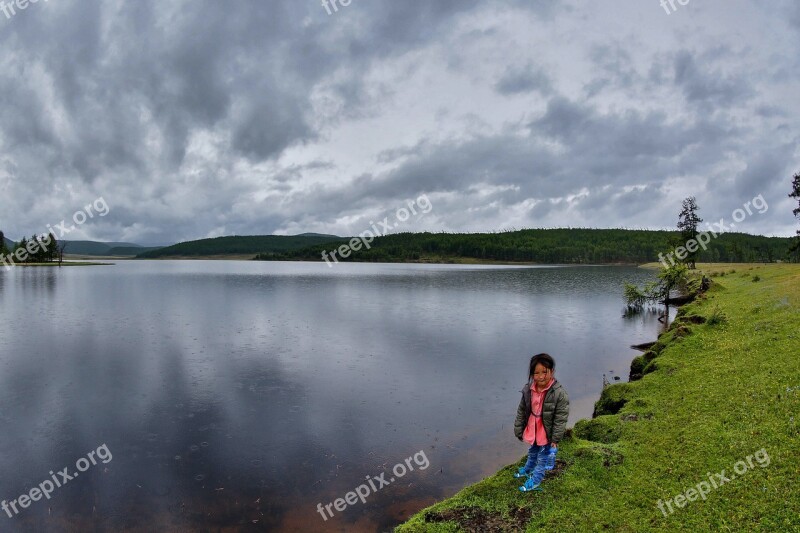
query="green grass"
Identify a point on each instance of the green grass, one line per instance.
(720, 390)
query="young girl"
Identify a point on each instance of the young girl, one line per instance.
(541, 419)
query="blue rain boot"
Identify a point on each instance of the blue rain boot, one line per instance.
(530, 485)
(522, 473)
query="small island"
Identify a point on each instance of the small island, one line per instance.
(39, 250)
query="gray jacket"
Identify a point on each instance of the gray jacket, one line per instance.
(555, 412)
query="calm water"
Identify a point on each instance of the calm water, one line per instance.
(238, 395)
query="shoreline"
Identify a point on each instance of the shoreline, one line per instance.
(442, 261)
(56, 265)
(621, 446)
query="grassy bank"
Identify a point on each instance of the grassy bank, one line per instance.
(722, 384)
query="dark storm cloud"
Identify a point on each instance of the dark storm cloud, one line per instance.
(120, 69)
(625, 137)
(523, 80)
(703, 85)
(615, 66)
(765, 172)
(117, 69)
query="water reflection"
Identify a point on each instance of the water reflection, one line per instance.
(243, 394)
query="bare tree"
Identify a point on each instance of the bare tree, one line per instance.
(62, 245)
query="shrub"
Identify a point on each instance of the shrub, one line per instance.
(717, 317)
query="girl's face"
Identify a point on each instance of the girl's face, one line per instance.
(541, 376)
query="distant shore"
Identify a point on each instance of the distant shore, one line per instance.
(422, 261)
(65, 263)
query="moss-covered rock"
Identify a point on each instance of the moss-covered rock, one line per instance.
(681, 331)
(652, 366)
(639, 363)
(661, 343)
(637, 367)
(605, 429)
(612, 399)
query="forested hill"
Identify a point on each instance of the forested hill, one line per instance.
(240, 245)
(572, 246)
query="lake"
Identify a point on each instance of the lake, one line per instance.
(247, 396)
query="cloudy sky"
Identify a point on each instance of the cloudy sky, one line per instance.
(202, 118)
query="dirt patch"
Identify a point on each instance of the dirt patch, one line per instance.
(475, 519)
(612, 458)
(694, 319)
(557, 470)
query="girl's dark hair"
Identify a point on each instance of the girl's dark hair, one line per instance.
(541, 359)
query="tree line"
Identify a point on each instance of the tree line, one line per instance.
(36, 249)
(563, 246)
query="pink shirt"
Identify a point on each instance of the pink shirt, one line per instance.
(534, 431)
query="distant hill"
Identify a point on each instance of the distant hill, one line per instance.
(97, 248)
(240, 245)
(564, 245)
(319, 235)
(130, 250)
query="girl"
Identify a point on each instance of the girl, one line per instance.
(541, 419)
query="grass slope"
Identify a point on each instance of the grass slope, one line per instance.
(715, 393)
